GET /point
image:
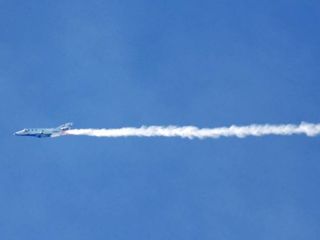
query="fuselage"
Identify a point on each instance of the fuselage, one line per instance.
(44, 132)
(37, 132)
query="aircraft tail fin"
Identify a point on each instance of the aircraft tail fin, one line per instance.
(65, 126)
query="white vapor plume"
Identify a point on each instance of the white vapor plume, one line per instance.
(257, 130)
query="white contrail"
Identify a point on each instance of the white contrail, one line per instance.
(309, 129)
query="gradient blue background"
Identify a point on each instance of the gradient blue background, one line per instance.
(115, 63)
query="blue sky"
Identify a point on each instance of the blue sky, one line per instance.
(106, 64)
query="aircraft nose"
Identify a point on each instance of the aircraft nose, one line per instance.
(17, 133)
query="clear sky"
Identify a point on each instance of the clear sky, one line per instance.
(108, 63)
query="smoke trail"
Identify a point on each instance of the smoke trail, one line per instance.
(190, 132)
